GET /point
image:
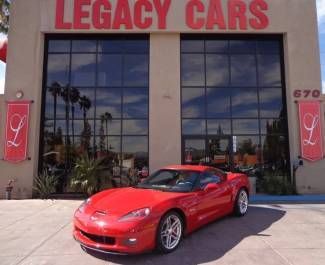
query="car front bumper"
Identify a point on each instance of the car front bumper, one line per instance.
(118, 241)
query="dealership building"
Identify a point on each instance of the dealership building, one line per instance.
(142, 84)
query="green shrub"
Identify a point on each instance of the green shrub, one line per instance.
(85, 176)
(44, 185)
(277, 185)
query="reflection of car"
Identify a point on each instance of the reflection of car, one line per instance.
(171, 203)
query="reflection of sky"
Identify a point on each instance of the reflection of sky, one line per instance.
(271, 102)
(193, 101)
(136, 71)
(135, 144)
(218, 102)
(114, 143)
(135, 127)
(244, 102)
(109, 100)
(113, 127)
(109, 70)
(135, 103)
(214, 127)
(194, 127)
(243, 70)
(244, 126)
(192, 69)
(61, 106)
(217, 67)
(58, 69)
(84, 46)
(269, 70)
(83, 69)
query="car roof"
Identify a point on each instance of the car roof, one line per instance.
(188, 167)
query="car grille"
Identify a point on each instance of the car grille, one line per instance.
(106, 240)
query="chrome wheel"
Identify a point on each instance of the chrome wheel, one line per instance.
(171, 232)
(243, 202)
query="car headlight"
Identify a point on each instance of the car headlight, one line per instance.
(83, 205)
(136, 215)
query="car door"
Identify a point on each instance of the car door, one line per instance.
(224, 201)
(212, 202)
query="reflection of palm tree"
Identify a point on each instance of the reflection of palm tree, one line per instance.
(55, 90)
(85, 105)
(65, 97)
(107, 117)
(101, 134)
(74, 98)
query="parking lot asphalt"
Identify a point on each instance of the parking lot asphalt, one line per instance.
(34, 232)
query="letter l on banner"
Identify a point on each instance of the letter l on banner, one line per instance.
(17, 125)
(311, 137)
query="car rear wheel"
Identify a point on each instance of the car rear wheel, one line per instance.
(170, 232)
(241, 203)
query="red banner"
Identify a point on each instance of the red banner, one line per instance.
(17, 131)
(311, 136)
(3, 50)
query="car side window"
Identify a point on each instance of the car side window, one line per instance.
(209, 177)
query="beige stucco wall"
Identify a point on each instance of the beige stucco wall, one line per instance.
(31, 19)
(165, 98)
(24, 72)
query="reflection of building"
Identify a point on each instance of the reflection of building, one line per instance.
(157, 90)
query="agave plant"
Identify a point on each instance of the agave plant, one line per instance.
(44, 184)
(85, 175)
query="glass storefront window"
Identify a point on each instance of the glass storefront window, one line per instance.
(244, 102)
(193, 102)
(233, 93)
(193, 70)
(96, 104)
(243, 70)
(217, 70)
(218, 102)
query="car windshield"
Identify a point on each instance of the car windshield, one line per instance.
(171, 180)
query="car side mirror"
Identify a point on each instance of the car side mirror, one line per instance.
(211, 186)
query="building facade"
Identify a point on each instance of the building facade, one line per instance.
(143, 84)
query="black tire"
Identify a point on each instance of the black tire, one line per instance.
(160, 241)
(239, 209)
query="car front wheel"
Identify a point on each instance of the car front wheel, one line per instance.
(170, 232)
(241, 203)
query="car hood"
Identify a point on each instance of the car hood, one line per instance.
(125, 200)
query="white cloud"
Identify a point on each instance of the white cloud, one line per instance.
(2, 76)
(2, 36)
(321, 11)
(2, 85)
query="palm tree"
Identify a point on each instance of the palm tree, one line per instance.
(4, 15)
(55, 90)
(74, 98)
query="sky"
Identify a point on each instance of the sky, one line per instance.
(321, 24)
(321, 29)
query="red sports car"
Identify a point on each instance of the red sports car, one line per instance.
(158, 212)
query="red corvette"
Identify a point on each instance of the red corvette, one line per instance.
(158, 212)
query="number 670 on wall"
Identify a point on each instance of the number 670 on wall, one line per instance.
(305, 93)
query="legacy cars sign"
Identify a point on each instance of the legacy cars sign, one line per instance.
(143, 14)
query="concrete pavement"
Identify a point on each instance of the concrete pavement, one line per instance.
(35, 232)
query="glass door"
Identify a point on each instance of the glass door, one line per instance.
(219, 152)
(214, 151)
(194, 151)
